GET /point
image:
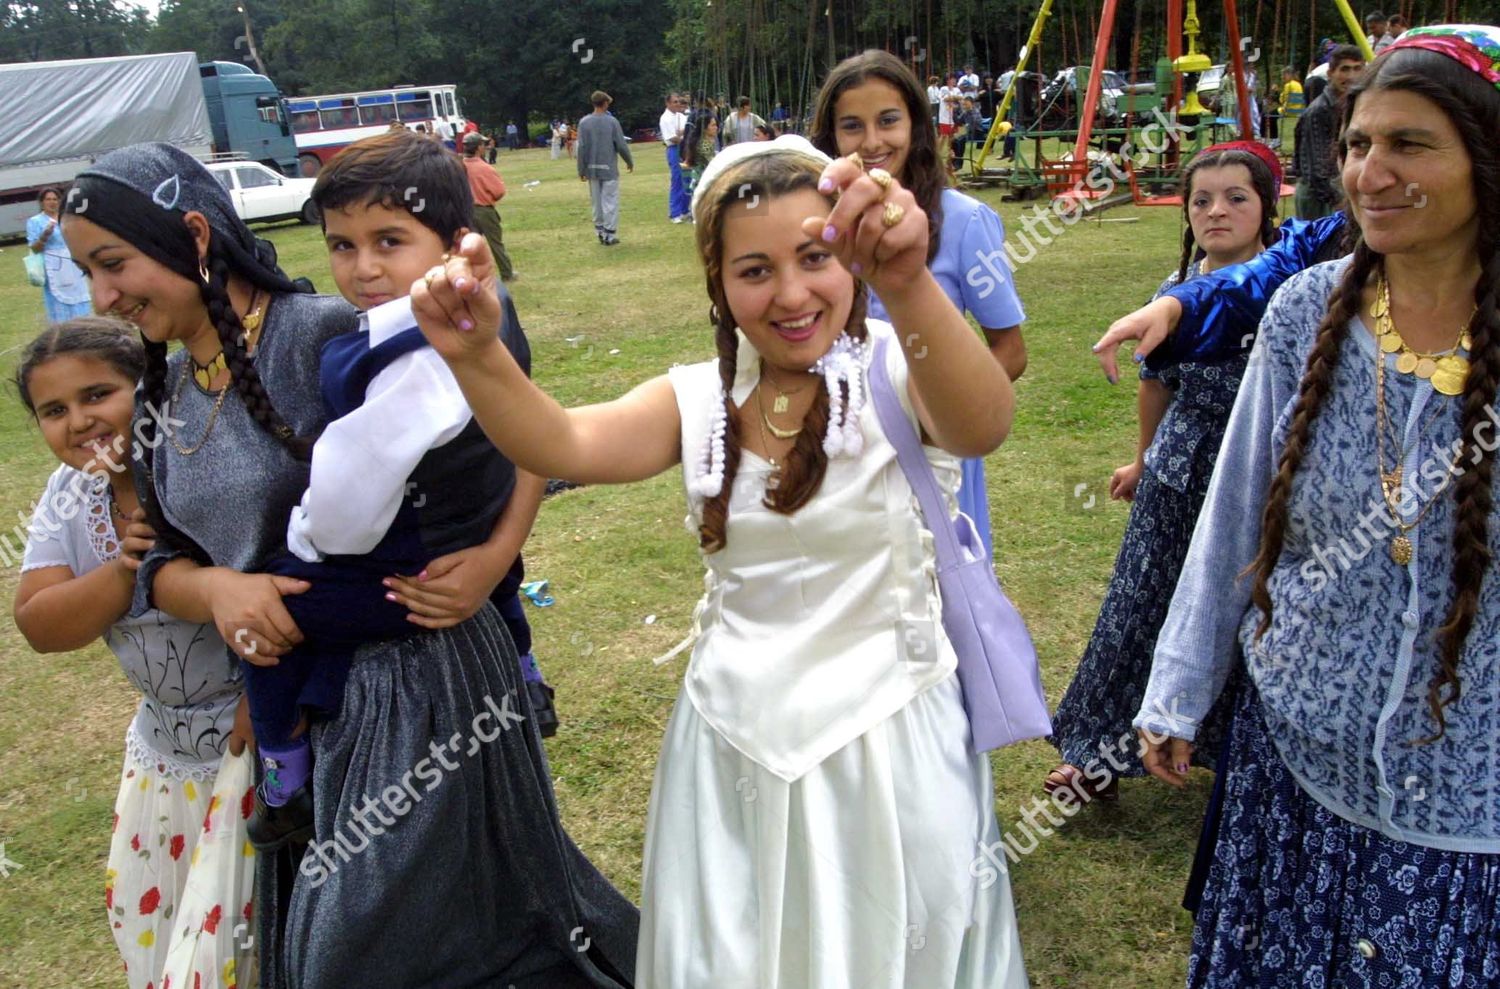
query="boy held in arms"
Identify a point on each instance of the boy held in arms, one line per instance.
(411, 517)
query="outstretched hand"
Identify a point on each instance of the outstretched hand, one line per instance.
(455, 303)
(1151, 324)
(876, 230)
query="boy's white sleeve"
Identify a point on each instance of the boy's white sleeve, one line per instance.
(361, 463)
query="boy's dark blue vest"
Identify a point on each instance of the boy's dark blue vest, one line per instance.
(455, 495)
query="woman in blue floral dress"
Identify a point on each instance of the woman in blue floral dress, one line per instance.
(1229, 203)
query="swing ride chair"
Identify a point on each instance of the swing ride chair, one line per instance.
(1191, 124)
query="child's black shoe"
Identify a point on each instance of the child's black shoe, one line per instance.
(270, 827)
(540, 694)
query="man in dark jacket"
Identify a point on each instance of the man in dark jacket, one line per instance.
(1319, 190)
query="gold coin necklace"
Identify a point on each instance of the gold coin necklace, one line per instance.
(1446, 372)
(1400, 547)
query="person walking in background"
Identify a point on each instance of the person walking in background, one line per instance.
(512, 136)
(673, 123)
(1380, 37)
(488, 189)
(556, 140)
(65, 294)
(740, 126)
(1318, 192)
(600, 141)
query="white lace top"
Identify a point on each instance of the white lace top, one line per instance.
(188, 680)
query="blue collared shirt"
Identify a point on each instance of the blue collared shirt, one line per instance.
(1344, 668)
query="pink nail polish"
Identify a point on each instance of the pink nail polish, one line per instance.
(465, 325)
(830, 234)
(461, 284)
(390, 597)
(422, 575)
(825, 185)
(1182, 769)
(856, 269)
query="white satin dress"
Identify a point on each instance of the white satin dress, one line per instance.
(818, 815)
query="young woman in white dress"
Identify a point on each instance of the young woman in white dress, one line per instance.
(818, 812)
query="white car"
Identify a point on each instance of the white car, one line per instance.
(261, 194)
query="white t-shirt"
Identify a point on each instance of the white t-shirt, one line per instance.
(932, 95)
(947, 96)
(671, 125)
(970, 81)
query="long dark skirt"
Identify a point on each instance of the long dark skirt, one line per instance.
(1299, 897)
(439, 859)
(1095, 715)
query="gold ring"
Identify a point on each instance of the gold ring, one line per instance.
(858, 161)
(891, 215)
(883, 179)
(431, 274)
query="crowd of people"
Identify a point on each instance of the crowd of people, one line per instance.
(1302, 601)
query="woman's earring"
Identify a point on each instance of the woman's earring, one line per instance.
(203, 269)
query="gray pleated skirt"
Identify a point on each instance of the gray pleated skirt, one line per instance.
(439, 859)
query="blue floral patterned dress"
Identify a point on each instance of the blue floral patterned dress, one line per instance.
(1092, 724)
(1299, 898)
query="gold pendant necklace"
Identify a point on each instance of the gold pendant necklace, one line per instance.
(782, 401)
(206, 374)
(779, 433)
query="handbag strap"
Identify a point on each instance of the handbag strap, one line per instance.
(903, 436)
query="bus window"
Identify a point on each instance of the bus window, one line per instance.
(413, 107)
(305, 121)
(338, 113)
(377, 113)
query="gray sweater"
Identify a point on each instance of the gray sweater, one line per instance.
(599, 140)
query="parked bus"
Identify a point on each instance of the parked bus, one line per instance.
(325, 125)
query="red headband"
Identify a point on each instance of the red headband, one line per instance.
(1255, 148)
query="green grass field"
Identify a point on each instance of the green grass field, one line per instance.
(1097, 900)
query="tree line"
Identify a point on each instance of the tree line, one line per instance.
(538, 59)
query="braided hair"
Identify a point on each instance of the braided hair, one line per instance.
(761, 179)
(1474, 109)
(1261, 179)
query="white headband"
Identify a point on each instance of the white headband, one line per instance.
(736, 153)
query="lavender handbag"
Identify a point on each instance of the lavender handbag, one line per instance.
(997, 666)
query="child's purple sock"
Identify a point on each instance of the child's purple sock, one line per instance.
(286, 770)
(529, 670)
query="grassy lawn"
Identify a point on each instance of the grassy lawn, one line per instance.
(1097, 900)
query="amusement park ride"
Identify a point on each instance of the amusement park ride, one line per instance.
(1150, 164)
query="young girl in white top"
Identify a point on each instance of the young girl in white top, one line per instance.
(818, 810)
(178, 826)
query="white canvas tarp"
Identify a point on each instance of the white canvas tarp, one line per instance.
(87, 107)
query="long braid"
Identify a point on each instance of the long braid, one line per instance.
(242, 368)
(1473, 496)
(711, 533)
(1189, 243)
(1317, 381)
(149, 436)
